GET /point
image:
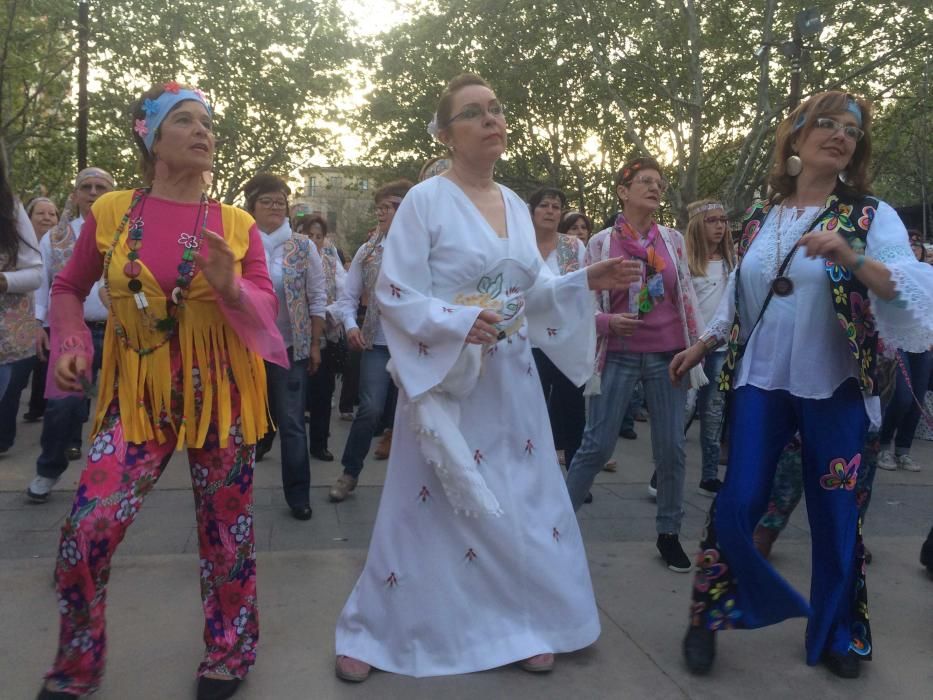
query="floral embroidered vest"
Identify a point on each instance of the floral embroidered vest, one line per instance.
(851, 219)
(295, 261)
(371, 263)
(62, 239)
(567, 258)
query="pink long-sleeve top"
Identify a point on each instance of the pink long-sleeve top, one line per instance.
(661, 329)
(252, 318)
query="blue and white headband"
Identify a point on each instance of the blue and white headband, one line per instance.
(851, 106)
(158, 109)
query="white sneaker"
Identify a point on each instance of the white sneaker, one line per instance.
(886, 461)
(907, 464)
(40, 488)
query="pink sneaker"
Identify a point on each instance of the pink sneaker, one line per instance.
(540, 663)
(353, 670)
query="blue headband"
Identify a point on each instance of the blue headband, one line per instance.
(851, 106)
(156, 110)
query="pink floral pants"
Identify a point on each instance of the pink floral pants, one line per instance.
(113, 485)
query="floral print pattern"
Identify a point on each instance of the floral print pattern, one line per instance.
(849, 295)
(112, 489)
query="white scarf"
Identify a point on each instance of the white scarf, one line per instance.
(274, 240)
(436, 422)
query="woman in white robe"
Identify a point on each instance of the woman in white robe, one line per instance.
(476, 560)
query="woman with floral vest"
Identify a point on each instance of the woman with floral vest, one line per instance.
(298, 279)
(562, 253)
(375, 382)
(824, 270)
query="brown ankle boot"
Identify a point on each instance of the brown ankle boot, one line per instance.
(384, 447)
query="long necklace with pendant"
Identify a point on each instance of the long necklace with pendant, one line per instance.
(782, 285)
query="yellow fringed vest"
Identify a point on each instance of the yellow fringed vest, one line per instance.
(143, 385)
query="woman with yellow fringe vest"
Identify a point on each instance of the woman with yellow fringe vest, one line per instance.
(192, 317)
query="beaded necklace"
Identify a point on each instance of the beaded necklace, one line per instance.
(186, 270)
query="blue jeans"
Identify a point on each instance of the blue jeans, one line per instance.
(287, 392)
(374, 388)
(604, 414)
(710, 402)
(903, 414)
(9, 403)
(634, 406)
(65, 418)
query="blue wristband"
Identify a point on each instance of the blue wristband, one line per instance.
(859, 261)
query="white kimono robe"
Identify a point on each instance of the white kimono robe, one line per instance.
(442, 592)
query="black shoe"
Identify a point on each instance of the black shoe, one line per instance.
(628, 434)
(699, 650)
(653, 485)
(217, 688)
(845, 665)
(73, 454)
(31, 417)
(589, 497)
(46, 694)
(301, 512)
(322, 454)
(673, 554)
(926, 553)
(709, 487)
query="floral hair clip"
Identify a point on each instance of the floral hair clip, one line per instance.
(172, 86)
(141, 128)
(150, 107)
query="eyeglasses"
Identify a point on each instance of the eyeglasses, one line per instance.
(717, 219)
(474, 111)
(851, 132)
(272, 203)
(649, 181)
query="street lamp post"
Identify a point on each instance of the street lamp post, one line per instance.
(84, 31)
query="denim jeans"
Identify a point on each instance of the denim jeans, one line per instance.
(287, 392)
(374, 388)
(65, 418)
(604, 414)
(710, 402)
(902, 413)
(634, 406)
(9, 403)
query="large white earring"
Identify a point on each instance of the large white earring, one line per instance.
(793, 165)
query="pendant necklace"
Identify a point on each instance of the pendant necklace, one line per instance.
(782, 285)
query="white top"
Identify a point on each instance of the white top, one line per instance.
(710, 288)
(28, 273)
(349, 298)
(799, 345)
(442, 592)
(94, 309)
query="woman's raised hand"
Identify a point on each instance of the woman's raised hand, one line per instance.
(217, 266)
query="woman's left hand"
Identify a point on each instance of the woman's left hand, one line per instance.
(829, 245)
(217, 266)
(614, 273)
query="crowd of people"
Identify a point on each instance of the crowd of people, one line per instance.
(487, 341)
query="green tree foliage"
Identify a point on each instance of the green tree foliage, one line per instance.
(589, 83)
(36, 59)
(272, 68)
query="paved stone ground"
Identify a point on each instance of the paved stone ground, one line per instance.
(306, 570)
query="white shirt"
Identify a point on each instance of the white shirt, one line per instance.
(710, 289)
(27, 275)
(94, 309)
(799, 345)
